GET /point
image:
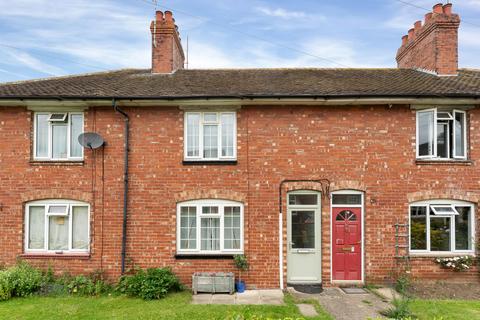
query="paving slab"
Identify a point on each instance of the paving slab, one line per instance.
(223, 299)
(307, 310)
(387, 293)
(344, 306)
(248, 297)
(271, 297)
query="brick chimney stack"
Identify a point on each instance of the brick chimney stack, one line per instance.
(432, 46)
(167, 51)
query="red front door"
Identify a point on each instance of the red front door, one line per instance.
(347, 244)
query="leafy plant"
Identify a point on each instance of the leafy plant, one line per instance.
(241, 263)
(24, 279)
(154, 283)
(400, 309)
(402, 284)
(5, 287)
(456, 263)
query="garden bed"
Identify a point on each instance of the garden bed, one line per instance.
(446, 290)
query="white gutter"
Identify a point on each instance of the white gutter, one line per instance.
(189, 103)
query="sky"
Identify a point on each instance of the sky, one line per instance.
(45, 38)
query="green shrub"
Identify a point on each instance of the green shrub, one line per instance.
(400, 309)
(92, 285)
(5, 287)
(24, 279)
(154, 283)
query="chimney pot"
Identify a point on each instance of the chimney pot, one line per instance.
(438, 8)
(447, 9)
(159, 15)
(417, 25)
(428, 16)
(404, 40)
(411, 34)
(169, 16)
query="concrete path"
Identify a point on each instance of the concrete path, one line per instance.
(273, 297)
(344, 306)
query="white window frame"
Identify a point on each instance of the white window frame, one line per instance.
(451, 149)
(200, 156)
(443, 203)
(50, 137)
(221, 204)
(47, 204)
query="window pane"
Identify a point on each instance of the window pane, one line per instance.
(459, 134)
(210, 234)
(418, 228)
(463, 229)
(440, 233)
(76, 130)
(232, 232)
(210, 117)
(80, 228)
(303, 229)
(36, 227)
(193, 134)
(228, 133)
(425, 133)
(58, 233)
(302, 199)
(59, 141)
(188, 228)
(210, 141)
(42, 135)
(442, 140)
(347, 199)
(58, 209)
(209, 210)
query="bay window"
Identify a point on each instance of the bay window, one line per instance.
(438, 226)
(56, 135)
(57, 226)
(441, 134)
(210, 136)
(209, 227)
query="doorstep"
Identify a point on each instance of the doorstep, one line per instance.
(267, 297)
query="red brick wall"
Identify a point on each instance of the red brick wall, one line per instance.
(369, 148)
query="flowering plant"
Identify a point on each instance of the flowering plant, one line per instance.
(456, 263)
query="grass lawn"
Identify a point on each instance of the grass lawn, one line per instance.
(175, 306)
(446, 309)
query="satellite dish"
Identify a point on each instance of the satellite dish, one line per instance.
(91, 140)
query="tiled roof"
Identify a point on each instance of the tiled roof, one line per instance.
(140, 83)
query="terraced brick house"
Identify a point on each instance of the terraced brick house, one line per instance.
(320, 176)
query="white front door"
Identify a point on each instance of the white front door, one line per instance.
(304, 256)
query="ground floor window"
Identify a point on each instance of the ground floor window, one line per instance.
(210, 226)
(441, 226)
(57, 225)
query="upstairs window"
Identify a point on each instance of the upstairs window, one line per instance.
(442, 226)
(209, 227)
(441, 134)
(56, 136)
(57, 226)
(210, 136)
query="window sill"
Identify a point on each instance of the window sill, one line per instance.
(209, 162)
(57, 162)
(220, 256)
(443, 162)
(47, 255)
(440, 254)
